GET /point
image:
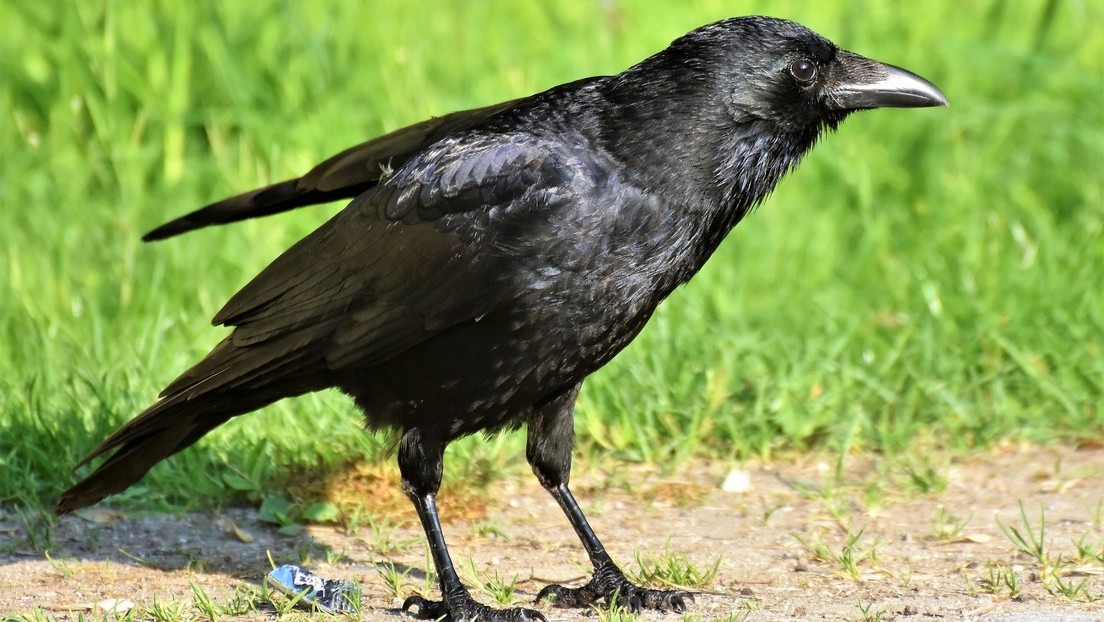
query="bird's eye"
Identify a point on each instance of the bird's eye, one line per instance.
(803, 70)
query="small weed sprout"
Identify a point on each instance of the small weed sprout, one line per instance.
(869, 613)
(674, 570)
(1030, 544)
(848, 557)
(948, 525)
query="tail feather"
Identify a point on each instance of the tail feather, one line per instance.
(133, 459)
(232, 383)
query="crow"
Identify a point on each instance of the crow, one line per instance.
(491, 259)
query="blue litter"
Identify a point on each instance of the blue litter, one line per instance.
(328, 595)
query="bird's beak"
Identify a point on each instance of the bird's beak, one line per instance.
(865, 83)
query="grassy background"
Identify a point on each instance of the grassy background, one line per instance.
(927, 277)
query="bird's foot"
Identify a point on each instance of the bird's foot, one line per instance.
(460, 607)
(610, 585)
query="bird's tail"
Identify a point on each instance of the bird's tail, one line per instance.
(230, 381)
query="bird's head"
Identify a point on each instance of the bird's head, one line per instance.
(778, 71)
(733, 105)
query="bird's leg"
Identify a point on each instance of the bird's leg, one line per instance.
(550, 440)
(421, 465)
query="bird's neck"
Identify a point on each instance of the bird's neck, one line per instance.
(713, 166)
(750, 159)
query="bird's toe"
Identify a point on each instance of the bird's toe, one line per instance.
(465, 609)
(610, 586)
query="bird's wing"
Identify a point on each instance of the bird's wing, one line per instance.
(426, 249)
(342, 176)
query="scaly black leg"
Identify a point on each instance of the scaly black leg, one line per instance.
(550, 442)
(421, 464)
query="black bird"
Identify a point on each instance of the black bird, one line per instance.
(490, 260)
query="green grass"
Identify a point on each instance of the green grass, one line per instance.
(926, 278)
(672, 570)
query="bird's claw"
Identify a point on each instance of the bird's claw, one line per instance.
(610, 585)
(464, 609)
(426, 609)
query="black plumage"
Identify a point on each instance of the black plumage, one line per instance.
(491, 259)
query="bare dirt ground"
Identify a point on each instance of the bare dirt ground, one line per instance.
(935, 556)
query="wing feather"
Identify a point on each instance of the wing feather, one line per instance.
(342, 176)
(412, 256)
